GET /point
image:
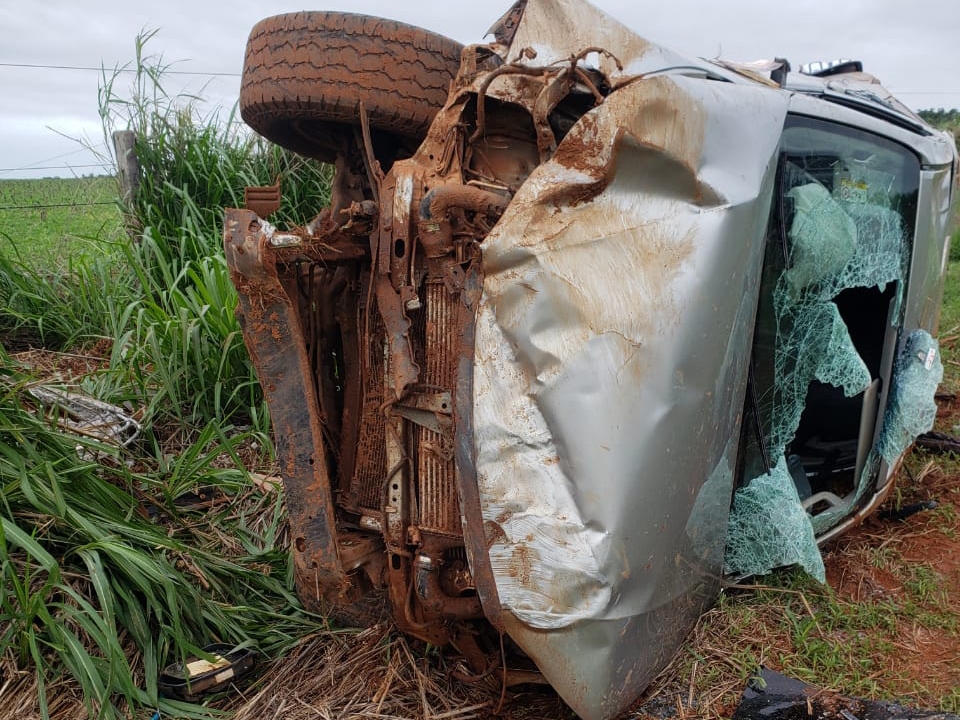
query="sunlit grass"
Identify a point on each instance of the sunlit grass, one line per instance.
(46, 224)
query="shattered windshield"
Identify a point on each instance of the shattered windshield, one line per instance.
(823, 374)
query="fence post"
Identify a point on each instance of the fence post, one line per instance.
(128, 167)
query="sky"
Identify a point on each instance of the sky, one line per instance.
(50, 114)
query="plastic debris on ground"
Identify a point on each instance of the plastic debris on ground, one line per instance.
(222, 666)
(88, 417)
(772, 696)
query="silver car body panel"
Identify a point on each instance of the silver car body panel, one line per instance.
(612, 344)
(610, 339)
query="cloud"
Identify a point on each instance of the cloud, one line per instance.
(911, 46)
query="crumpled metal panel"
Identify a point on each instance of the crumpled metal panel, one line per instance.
(611, 352)
(557, 30)
(624, 319)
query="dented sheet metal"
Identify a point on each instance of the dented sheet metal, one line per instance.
(609, 365)
(609, 343)
(557, 30)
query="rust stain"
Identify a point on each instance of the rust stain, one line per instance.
(521, 564)
(494, 534)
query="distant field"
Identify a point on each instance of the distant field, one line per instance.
(44, 223)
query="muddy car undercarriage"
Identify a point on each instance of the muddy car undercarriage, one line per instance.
(506, 398)
(360, 328)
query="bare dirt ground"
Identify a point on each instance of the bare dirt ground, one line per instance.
(858, 570)
(925, 540)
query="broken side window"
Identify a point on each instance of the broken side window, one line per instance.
(829, 314)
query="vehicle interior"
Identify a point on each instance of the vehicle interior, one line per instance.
(838, 244)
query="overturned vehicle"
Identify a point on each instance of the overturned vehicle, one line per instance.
(587, 326)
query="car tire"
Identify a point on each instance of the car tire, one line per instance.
(305, 75)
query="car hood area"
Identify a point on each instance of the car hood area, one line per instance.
(613, 349)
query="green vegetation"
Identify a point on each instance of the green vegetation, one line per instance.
(950, 321)
(88, 578)
(107, 575)
(944, 119)
(45, 223)
(811, 632)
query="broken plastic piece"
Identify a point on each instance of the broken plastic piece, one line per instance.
(772, 696)
(939, 443)
(263, 200)
(825, 68)
(902, 513)
(89, 417)
(198, 675)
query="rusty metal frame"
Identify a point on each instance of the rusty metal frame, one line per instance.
(275, 339)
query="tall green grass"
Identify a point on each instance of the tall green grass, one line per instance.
(105, 575)
(94, 587)
(183, 339)
(164, 296)
(64, 307)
